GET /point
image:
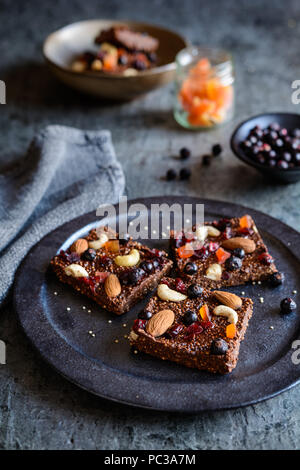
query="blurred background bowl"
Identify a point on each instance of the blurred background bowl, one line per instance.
(64, 45)
(288, 120)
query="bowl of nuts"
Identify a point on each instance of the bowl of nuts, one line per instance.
(271, 144)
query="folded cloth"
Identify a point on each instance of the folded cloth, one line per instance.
(66, 173)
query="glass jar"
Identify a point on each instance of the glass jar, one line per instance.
(204, 87)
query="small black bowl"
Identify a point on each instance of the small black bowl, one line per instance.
(288, 120)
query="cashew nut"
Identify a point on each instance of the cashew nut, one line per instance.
(212, 231)
(214, 272)
(75, 270)
(128, 260)
(201, 233)
(228, 312)
(165, 293)
(204, 231)
(97, 244)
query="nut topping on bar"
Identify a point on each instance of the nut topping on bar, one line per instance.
(97, 244)
(246, 244)
(165, 293)
(226, 298)
(214, 272)
(228, 312)
(75, 270)
(79, 246)
(112, 286)
(160, 323)
(129, 260)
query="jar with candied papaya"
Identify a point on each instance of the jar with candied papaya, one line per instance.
(204, 87)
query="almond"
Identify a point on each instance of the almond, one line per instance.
(160, 323)
(112, 286)
(226, 298)
(79, 246)
(246, 244)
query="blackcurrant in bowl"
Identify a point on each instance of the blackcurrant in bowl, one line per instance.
(271, 144)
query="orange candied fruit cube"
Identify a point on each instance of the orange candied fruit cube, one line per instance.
(245, 222)
(112, 246)
(185, 251)
(230, 330)
(222, 255)
(110, 61)
(204, 313)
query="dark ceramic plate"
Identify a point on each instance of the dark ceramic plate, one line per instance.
(111, 370)
(288, 120)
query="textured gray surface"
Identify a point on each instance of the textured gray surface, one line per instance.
(39, 409)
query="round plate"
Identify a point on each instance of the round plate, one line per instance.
(64, 45)
(111, 370)
(288, 120)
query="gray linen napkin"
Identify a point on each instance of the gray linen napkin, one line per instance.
(66, 173)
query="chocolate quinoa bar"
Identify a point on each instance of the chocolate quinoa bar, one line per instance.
(114, 273)
(183, 332)
(131, 40)
(228, 252)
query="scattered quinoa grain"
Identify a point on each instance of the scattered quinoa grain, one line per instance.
(68, 308)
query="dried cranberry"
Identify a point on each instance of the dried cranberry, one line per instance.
(266, 258)
(206, 324)
(223, 223)
(139, 324)
(227, 233)
(180, 285)
(246, 231)
(225, 275)
(164, 281)
(213, 246)
(175, 330)
(193, 330)
(202, 253)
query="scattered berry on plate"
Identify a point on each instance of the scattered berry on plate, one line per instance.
(287, 306)
(276, 279)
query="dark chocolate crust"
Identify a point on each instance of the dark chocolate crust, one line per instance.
(103, 262)
(195, 352)
(252, 268)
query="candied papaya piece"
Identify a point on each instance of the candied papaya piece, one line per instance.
(245, 222)
(222, 255)
(204, 313)
(185, 251)
(231, 330)
(112, 246)
(110, 61)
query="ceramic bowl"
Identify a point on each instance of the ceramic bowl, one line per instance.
(287, 120)
(64, 45)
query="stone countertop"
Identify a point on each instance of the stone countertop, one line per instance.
(39, 409)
